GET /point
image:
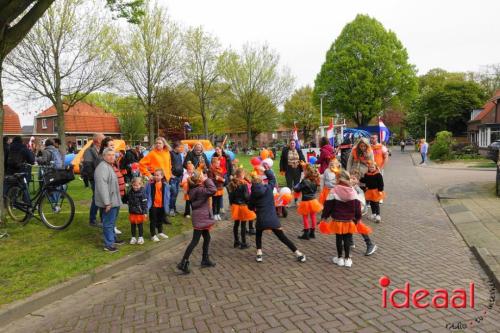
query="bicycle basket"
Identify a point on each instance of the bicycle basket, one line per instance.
(57, 177)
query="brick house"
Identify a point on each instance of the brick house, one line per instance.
(281, 134)
(11, 123)
(484, 126)
(81, 121)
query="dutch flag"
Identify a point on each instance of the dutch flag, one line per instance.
(295, 137)
(330, 134)
(383, 131)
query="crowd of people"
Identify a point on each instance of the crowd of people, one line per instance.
(339, 192)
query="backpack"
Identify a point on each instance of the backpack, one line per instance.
(55, 156)
(15, 160)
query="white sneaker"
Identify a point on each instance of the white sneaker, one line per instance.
(140, 241)
(133, 240)
(117, 231)
(378, 219)
(373, 216)
(172, 213)
(155, 239)
(338, 261)
(258, 258)
(188, 216)
(217, 217)
(162, 235)
(348, 262)
(301, 258)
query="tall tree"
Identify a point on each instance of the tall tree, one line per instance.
(148, 55)
(301, 110)
(256, 82)
(65, 56)
(17, 17)
(446, 99)
(200, 68)
(366, 70)
(488, 77)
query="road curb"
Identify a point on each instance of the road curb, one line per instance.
(21, 308)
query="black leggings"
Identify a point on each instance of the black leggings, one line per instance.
(156, 218)
(375, 207)
(243, 231)
(281, 236)
(139, 226)
(292, 176)
(196, 238)
(187, 209)
(344, 241)
(216, 204)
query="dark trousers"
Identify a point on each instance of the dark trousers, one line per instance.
(156, 219)
(187, 209)
(292, 176)
(281, 236)
(367, 239)
(402, 148)
(243, 231)
(194, 242)
(216, 204)
(344, 242)
(375, 207)
(175, 183)
(133, 228)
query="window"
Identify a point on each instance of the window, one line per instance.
(495, 134)
(81, 142)
(44, 123)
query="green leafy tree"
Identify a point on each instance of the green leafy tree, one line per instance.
(441, 149)
(366, 71)
(301, 110)
(257, 84)
(447, 100)
(148, 57)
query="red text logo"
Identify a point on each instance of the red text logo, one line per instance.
(423, 298)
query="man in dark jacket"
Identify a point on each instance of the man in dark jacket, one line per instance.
(290, 164)
(17, 156)
(90, 162)
(177, 158)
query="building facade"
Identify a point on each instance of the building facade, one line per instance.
(484, 126)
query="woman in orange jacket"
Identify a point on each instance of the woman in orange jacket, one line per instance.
(158, 158)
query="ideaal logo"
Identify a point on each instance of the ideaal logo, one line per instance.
(423, 298)
(439, 298)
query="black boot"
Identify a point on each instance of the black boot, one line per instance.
(305, 235)
(184, 266)
(236, 244)
(311, 233)
(206, 262)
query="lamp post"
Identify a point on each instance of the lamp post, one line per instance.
(425, 128)
(321, 96)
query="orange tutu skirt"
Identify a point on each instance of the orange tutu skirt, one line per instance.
(374, 195)
(242, 213)
(219, 192)
(136, 218)
(323, 195)
(363, 229)
(309, 207)
(337, 227)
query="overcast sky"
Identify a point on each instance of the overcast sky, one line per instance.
(453, 35)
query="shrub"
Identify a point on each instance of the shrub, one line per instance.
(442, 147)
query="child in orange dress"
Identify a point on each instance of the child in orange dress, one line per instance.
(217, 175)
(138, 209)
(374, 189)
(309, 206)
(188, 172)
(239, 195)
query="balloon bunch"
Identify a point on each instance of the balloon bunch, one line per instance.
(283, 197)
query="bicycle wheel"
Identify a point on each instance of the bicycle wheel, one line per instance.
(17, 208)
(56, 209)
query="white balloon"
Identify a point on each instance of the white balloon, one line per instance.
(285, 190)
(269, 162)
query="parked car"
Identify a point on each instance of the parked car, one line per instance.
(493, 150)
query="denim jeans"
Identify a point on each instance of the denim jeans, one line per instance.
(175, 183)
(424, 157)
(108, 225)
(93, 207)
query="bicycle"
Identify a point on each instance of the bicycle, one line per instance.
(55, 207)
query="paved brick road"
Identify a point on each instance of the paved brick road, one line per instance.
(417, 244)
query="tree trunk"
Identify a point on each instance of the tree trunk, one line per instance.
(151, 125)
(204, 119)
(60, 108)
(249, 133)
(2, 171)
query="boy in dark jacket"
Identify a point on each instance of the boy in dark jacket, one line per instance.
(262, 201)
(138, 209)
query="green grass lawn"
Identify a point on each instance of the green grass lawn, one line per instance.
(34, 257)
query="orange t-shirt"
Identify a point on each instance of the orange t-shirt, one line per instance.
(158, 195)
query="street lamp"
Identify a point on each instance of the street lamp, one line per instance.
(321, 96)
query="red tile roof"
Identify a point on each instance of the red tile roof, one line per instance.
(86, 118)
(11, 123)
(488, 107)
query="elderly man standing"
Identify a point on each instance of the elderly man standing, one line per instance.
(107, 198)
(90, 162)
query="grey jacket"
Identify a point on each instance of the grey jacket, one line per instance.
(107, 191)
